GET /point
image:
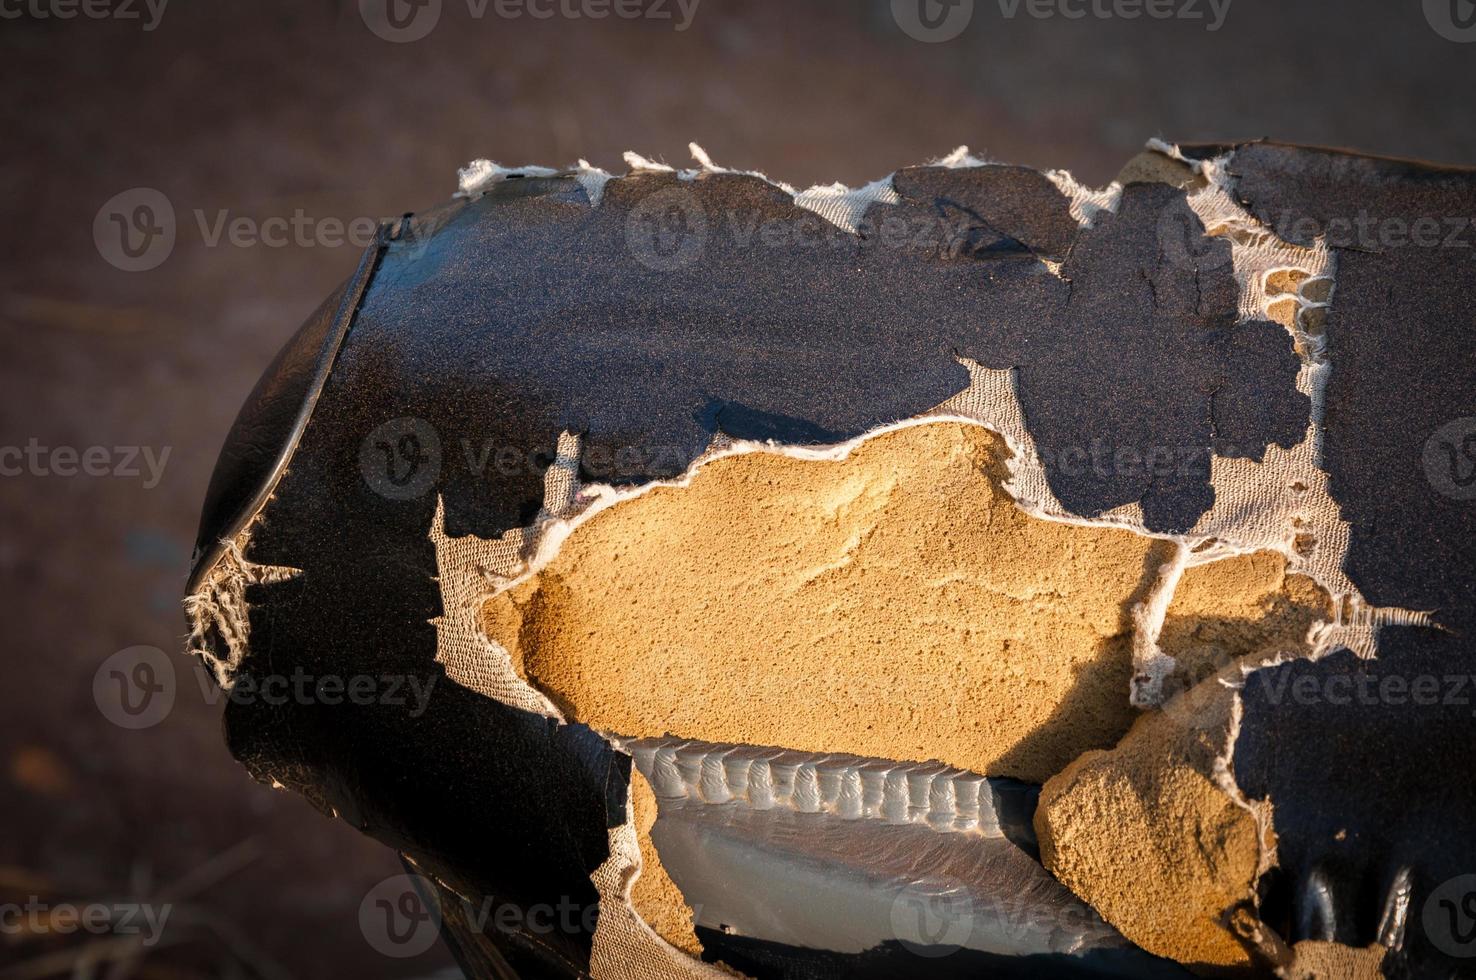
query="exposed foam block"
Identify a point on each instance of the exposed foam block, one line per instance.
(1238, 607)
(1145, 834)
(896, 604)
(653, 893)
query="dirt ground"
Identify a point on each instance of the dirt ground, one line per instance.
(264, 109)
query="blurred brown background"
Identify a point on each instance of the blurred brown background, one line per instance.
(297, 110)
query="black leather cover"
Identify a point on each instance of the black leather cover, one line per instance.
(503, 321)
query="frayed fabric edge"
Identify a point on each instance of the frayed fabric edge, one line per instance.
(837, 203)
(218, 613)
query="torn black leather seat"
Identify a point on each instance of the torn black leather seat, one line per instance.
(655, 312)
